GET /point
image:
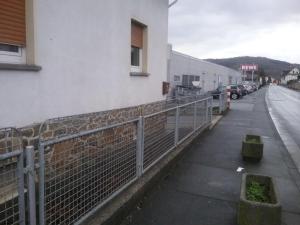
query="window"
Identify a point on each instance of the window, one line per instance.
(176, 78)
(137, 47)
(12, 31)
(187, 80)
(135, 56)
(9, 48)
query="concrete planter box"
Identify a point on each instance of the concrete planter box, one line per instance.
(252, 149)
(258, 213)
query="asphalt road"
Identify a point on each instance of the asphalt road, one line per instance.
(284, 108)
(285, 104)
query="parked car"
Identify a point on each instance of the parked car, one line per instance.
(248, 88)
(243, 89)
(235, 92)
(216, 93)
(254, 87)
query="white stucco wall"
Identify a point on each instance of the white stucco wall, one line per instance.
(210, 73)
(84, 50)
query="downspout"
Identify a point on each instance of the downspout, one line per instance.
(173, 3)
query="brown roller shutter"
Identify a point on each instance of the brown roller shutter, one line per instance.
(136, 35)
(12, 22)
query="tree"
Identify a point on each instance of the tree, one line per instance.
(262, 75)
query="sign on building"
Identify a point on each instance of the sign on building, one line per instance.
(249, 67)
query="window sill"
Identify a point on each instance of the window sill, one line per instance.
(139, 74)
(19, 67)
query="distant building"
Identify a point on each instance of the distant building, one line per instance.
(190, 72)
(288, 75)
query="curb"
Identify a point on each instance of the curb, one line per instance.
(214, 122)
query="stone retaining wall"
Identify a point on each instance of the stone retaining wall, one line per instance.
(59, 127)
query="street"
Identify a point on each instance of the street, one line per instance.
(284, 108)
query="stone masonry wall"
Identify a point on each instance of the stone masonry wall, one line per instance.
(59, 127)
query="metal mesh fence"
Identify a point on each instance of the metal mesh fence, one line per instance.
(201, 114)
(9, 209)
(11, 177)
(186, 121)
(224, 101)
(159, 136)
(219, 102)
(82, 169)
(85, 171)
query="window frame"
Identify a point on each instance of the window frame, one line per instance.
(139, 68)
(187, 80)
(13, 57)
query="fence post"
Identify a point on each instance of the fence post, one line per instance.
(21, 199)
(31, 184)
(195, 116)
(140, 146)
(41, 184)
(220, 103)
(228, 90)
(206, 114)
(211, 109)
(177, 125)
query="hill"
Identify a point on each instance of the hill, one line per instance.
(271, 67)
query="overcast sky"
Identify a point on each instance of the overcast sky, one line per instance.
(229, 28)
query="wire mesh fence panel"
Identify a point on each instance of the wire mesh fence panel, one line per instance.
(210, 109)
(12, 211)
(186, 121)
(159, 136)
(224, 101)
(200, 114)
(83, 172)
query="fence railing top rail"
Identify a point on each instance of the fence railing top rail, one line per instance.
(179, 106)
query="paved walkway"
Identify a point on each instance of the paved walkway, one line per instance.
(204, 188)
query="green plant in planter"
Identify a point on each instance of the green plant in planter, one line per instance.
(259, 201)
(257, 192)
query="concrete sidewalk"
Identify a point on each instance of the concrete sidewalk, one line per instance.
(204, 188)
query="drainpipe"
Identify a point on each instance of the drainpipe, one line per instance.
(173, 3)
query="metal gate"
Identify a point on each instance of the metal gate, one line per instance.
(14, 210)
(12, 191)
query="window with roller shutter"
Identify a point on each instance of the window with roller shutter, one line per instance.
(12, 27)
(138, 59)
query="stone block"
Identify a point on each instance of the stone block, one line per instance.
(252, 148)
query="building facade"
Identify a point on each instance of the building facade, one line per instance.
(290, 75)
(183, 70)
(61, 58)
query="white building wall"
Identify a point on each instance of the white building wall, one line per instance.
(83, 48)
(210, 74)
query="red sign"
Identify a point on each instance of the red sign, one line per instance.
(249, 67)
